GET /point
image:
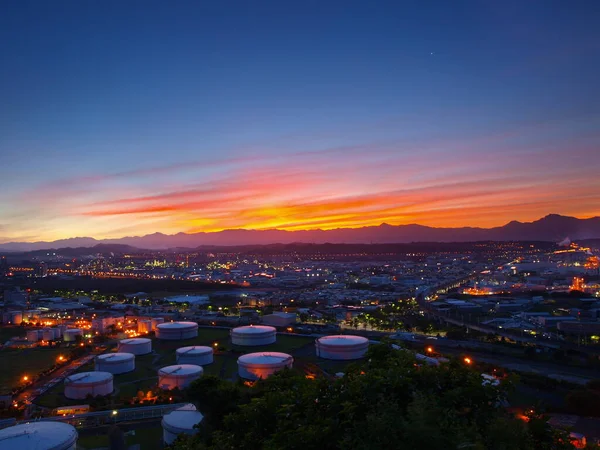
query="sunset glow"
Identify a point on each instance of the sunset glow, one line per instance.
(155, 131)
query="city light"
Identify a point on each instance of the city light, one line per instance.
(61, 358)
(25, 378)
(115, 412)
(429, 349)
(467, 360)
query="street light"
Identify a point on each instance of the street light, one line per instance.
(467, 360)
(429, 349)
(25, 378)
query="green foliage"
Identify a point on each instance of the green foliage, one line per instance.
(386, 401)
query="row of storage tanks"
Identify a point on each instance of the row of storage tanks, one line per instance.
(189, 360)
(50, 334)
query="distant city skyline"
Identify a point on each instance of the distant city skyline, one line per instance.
(129, 118)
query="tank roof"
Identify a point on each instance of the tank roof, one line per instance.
(183, 419)
(135, 341)
(88, 377)
(115, 357)
(73, 330)
(176, 325)
(343, 340)
(265, 358)
(254, 329)
(194, 350)
(38, 436)
(181, 370)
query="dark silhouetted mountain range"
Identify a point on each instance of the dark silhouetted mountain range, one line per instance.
(551, 228)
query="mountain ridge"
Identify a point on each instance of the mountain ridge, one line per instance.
(552, 227)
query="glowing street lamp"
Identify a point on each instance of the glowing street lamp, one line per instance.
(429, 349)
(467, 360)
(25, 378)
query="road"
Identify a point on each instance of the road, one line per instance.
(577, 375)
(32, 392)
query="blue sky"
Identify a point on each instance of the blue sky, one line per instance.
(99, 98)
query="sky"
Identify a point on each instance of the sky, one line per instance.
(121, 118)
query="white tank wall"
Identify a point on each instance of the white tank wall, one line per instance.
(69, 334)
(195, 358)
(177, 333)
(347, 351)
(49, 334)
(114, 365)
(247, 337)
(39, 435)
(254, 371)
(33, 335)
(144, 326)
(156, 321)
(135, 346)
(80, 390)
(180, 421)
(168, 380)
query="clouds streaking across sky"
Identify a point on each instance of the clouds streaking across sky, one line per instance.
(126, 118)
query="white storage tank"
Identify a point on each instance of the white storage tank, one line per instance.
(177, 330)
(260, 365)
(253, 335)
(197, 355)
(144, 326)
(80, 385)
(156, 321)
(135, 346)
(33, 335)
(49, 334)
(178, 376)
(39, 436)
(180, 421)
(69, 335)
(12, 317)
(115, 363)
(342, 347)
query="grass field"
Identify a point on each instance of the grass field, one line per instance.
(147, 438)
(145, 377)
(19, 362)
(6, 333)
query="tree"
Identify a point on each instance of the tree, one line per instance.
(386, 401)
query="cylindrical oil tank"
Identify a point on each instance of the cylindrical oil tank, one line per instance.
(253, 335)
(178, 376)
(180, 421)
(135, 346)
(156, 321)
(144, 326)
(34, 335)
(39, 436)
(80, 385)
(342, 347)
(177, 330)
(197, 355)
(115, 363)
(12, 317)
(70, 334)
(49, 334)
(260, 365)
